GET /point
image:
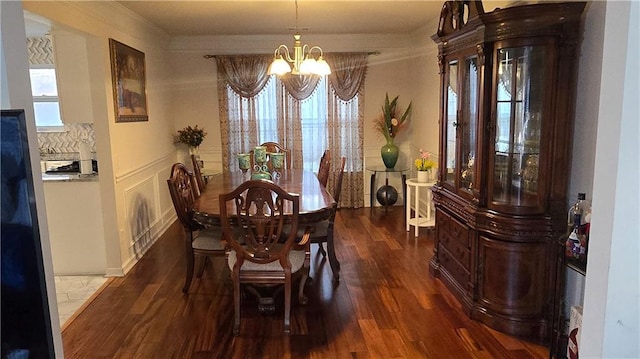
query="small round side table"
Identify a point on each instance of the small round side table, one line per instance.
(207, 173)
(418, 221)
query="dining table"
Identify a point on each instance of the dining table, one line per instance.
(315, 201)
(315, 204)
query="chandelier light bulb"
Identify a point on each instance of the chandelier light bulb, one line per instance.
(308, 66)
(279, 66)
(322, 67)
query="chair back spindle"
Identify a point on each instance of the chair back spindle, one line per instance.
(337, 185)
(197, 174)
(183, 187)
(324, 168)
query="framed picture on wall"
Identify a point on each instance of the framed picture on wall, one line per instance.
(129, 82)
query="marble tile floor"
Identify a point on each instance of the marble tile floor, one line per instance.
(73, 291)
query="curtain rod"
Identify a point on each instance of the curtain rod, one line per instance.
(370, 53)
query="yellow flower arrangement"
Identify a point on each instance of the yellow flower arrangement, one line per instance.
(424, 163)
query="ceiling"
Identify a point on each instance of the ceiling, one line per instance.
(275, 17)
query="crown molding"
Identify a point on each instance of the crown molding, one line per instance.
(101, 18)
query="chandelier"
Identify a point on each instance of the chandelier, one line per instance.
(303, 61)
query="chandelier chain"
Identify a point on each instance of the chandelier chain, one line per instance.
(296, 15)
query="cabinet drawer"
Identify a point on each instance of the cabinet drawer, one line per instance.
(456, 231)
(458, 272)
(457, 250)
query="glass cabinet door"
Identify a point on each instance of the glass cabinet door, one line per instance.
(462, 94)
(519, 98)
(468, 122)
(452, 123)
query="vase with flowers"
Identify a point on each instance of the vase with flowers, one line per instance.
(192, 137)
(424, 166)
(389, 125)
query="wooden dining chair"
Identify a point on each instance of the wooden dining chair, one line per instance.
(200, 241)
(276, 147)
(324, 168)
(197, 174)
(253, 217)
(323, 231)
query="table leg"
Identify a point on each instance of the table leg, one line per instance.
(408, 208)
(333, 261)
(417, 210)
(371, 190)
(386, 184)
(429, 200)
(404, 189)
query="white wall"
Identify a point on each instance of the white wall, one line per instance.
(16, 94)
(134, 158)
(388, 73)
(72, 69)
(195, 102)
(611, 312)
(584, 134)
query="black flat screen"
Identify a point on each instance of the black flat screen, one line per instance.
(26, 324)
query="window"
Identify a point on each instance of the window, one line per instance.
(314, 126)
(313, 120)
(44, 89)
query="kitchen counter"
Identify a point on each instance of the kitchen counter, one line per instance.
(70, 177)
(75, 224)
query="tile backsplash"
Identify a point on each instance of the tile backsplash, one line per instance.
(66, 145)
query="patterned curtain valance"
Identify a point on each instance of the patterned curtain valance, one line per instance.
(348, 72)
(300, 86)
(248, 74)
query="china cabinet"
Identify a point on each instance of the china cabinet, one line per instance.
(507, 88)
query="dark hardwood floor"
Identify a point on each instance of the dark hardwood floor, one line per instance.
(386, 306)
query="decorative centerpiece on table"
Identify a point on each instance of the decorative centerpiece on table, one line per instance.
(424, 166)
(260, 168)
(389, 125)
(192, 137)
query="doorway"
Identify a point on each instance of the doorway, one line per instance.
(73, 201)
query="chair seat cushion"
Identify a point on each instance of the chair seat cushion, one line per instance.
(295, 257)
(209, 239)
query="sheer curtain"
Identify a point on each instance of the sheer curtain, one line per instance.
(240, 79)
(306, 114)
(345, 112)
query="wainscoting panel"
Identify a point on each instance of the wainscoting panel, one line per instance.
(148, 208)
(141, 210)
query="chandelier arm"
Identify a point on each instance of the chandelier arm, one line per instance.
(285, 52)
(315, 48)
(305, 51)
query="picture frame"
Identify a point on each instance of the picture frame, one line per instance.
(128, 73)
